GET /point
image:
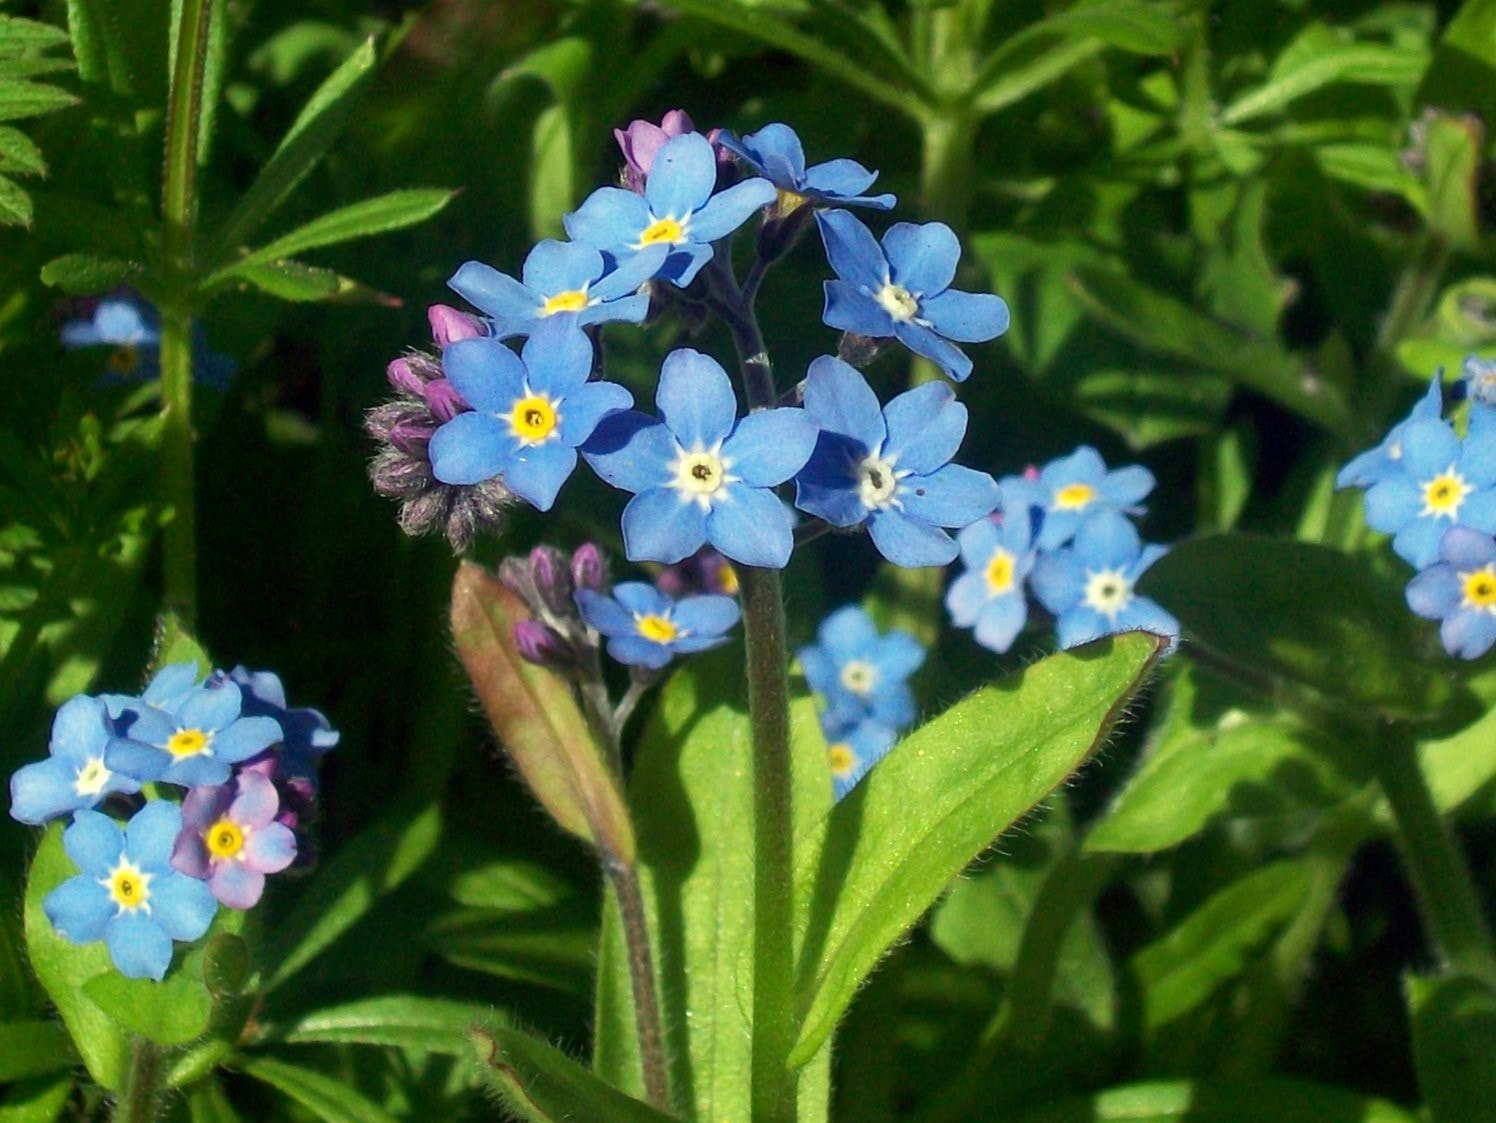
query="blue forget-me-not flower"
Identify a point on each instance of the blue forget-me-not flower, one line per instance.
(1089, 585)
(989, 596)
(74, 776)
(776, 153)
(130, 326)
(1079, 487)
(861, 673)
(678, 209)
(1377, 463)
(529, 413)
(646, 628)
(127, 893)
(701, 474)
(1479, 376)
(853, 749)
(889, 466)
(1459, 590)
(902, 289)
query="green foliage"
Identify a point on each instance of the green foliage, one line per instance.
(540, 1084)
(25, 47)
(1454, 1043)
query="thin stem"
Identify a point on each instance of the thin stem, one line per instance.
(1440, 877)
(625, 879)
(141, 1098)
(629, 702)
(178, 481)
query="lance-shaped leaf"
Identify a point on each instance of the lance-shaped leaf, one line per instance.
(399, 1021)
(1227, 1101)
(539, 1083)
(33, 1048)
(535, 716)
(326, 1098)
(1454, 1046)
(889, 849)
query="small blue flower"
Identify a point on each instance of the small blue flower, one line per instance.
(1377, 463)
(902, 289)
(1460, 592)
(861, 673)
(188, 737)
(306, 734)
(1089, 586)
(564, 279)
(677, 209)
(1480, 380)
(127, 894)
(853, 749)
(776, 153)
(998, 554)
(645, 628)
(130, 326)
(889, 467)
(1078, 487)
(528, 416)
(702, 474)
(1438, 482)
(75, 776)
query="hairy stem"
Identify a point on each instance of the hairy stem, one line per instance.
(624, 877)
(141, 1098)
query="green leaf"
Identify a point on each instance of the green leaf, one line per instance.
(971, 773)
(15, 204)
(307, 140)
(1028, 65)
(301, 283)
(1452, 153)
(1461, 764)
(552, 947)
(175, 644)
(64, 968)
(1243, 1101)
(1283, 610)
(552, 172)
(399, 1021)
(541, 1084)
(1146, 407)
(327, 1099)
(30, 99)
(1374, 167)
(1318, 57)
(512, 884)
(346, 888)
(379, 215)
(23, 36)
(1216, 942)
(207, 1103)
(33, 1049)
(1463, 73)
(82, 274)
(1166, 325)
(19, 154)
(1454, 1046)
(35, 1101)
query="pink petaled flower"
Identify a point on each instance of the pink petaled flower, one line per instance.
(642, 141)
(230, 838)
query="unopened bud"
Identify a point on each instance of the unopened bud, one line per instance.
(589, 569)
(448, 325)
(402, 376)
(542, 645)
(552, 580)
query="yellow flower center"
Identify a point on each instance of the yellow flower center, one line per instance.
(842, 759)
(1443, 494)
(129, 886)
(859, 677)
(573, 301)
(188, 742)
(1479, 587)
(727, 580)
(656, 629)
(91, 777)
(124, 359)
(897, 301)
(663, 230)
(533, 419)
(225, 839)
(1000, 574)
(1108, 592)
(788, 202)
(1074, 497)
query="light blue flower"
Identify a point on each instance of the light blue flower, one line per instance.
(776, 153)
(1460, 592)
(678, 209)
(1377, 463)
(853, 749)
(1438, 482)
(127, 894)
(188, 737)
(529, 414)
(861, 673)
(1480, 380)
(131, 327)
(1078, 487)
(889, 468)
(564, 279)
(998, 554)
(1089, 586)
(902, 289)
(74, 777)
(645, 628)
(701, 474)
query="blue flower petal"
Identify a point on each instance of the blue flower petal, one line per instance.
(840, 400)
(171, 685)
(136, 760)
(1058, 581)
(1392, 503)
(893, 705)
(210, 708)
(626, 277)
(1081, 625)
(139, 946)
(485, 372)
(197, 771)
(630, 450)
(950, 496)
(1417, 543)
(847, 633)
(923, 341)
(603, 614)
(659, 526)
(684, 262)
(852, 251)
(1468, 635)
(637, 651)
(824, 490)
(925, 428)
(469, 449)
(555, 267)
(1478, 456)
(1436, 592)
(1479, 511)
(695, 399)
(729, 209)
(712, 614)
(842, 179)
(642, 599)
(557, 357)
(979, 541)
(690, 645)
(247, 737)
(627, 310)
(1001, 619)
(897, 655)
(94, 842)
(752, 526)
(683, 176)
(589, 404)
(183, 906)
(1467, 549)
(966, 598)
(909, 542)
(81, 333)
(79, 909)
(966, 317)
(78, 730)
(1108, 540)
(769, 446)
(1084, 465)
(1429, 447)
(611, 219)
(1128, 486)
(536, 474)
(922, 257)
(1144, 615)
(496, 294)
(777, 152)
(151, 833)
(44, 790)
(849, 309)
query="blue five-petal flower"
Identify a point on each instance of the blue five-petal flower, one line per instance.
(1089, 586)
(775, 152)
(74, 776)
(860, 672)
(1460, 592)
(902, 289)
(989, 596)
(888, 467)
(646, 628)
(529, 414)
(702, 474)
(1079, 487)
(1378, 463)
(854, 749)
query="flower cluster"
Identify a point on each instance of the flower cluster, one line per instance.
(1063, 530)
(861, 677)
(1434, 491)
(248, 764)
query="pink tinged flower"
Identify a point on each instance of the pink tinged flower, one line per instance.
(642, 141)
(230, 838)
(448, 325)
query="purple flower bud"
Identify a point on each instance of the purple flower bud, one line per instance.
(589, 569)
(517, 577)
(444, 400)
(552, 579)
(642, 141)
(411, 437)
(402, 375)
(542, 645)
(448, 325)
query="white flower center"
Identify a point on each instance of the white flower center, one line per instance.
(897, 301)
(701, 474)
(91, 777)
(1108, 592)
(859, 677)
(877, 482)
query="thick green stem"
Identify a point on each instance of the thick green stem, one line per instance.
(1441, 879)
(177, 477)
(141, 1098)
(625, 879)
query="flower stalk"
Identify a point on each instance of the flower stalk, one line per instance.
(141, 1098)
